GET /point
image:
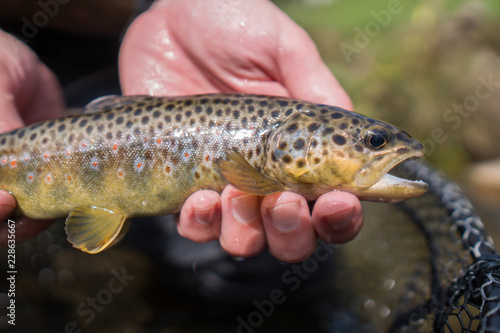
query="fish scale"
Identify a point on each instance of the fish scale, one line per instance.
(129, 156)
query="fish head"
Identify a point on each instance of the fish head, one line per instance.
(342, 150)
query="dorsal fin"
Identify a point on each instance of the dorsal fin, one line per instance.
(106, 102)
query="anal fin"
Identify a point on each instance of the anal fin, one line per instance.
(242, 175)
(93, 229)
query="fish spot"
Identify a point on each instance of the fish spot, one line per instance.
(4, 140)
(288, 112)
(32, 137)
(260, 113)
(339, 139)
(273, 157)
(30, 176)
(343, 126)
(204, 100)
(100, 128)
(313, 127)
(197, 175)
(236, 114)
(170, 107)
(109, 135)
(110, 116)
(283, 103)
(156, 114)
(45, 140)
(209, 110)
(282, 145)
(301, 163)
(119, 120)
(83, 123)
(355, 121)
(139, 164)
(250, 109)
(188, 113)
(248, 101)
(328, 130)
(235, 102)
(287, 159)
(97, 117)
(336, 115)
(73, 120)
(21, 134)
(358, 148)
(275, 114)
(198, 109)
(145, 120)
(188, 102)
(292, 128)
(128, 109)
(51, 124)
(314, 143)
(258, 150)
(265, 122)
(178, 118)
(263, 103)
(129, 124)
(317, 160)
(299, 144)
(253, 119)
(323, 110)
(61, 127)
(89, 129)
(324, 152)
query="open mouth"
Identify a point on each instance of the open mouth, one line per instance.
(384, 185)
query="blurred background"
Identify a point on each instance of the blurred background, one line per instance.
(431, 67)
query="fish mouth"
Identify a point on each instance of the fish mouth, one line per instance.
(385, 187)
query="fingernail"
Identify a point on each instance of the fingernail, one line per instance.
(245, 208)
(340, 219)
(286, 218)
(204, 214)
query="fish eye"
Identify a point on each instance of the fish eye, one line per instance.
(376, 138)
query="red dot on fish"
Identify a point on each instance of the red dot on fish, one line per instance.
(115, 147)
(13, 163)
(29, 177)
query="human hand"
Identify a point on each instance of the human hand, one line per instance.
(29, 92)
(185, 47)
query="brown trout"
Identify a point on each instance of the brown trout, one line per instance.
(131, 156)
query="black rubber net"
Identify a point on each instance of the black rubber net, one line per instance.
(448, 280)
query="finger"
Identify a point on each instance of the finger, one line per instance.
(200, 215)
(303, 71)
(337, 217)
(290, 234)
(242, 233)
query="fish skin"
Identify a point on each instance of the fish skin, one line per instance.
(144, 155)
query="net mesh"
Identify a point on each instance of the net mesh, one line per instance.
(445, 280)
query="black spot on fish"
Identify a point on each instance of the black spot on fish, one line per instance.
(251, 109)
(196, 175)
(317, 160)
(248, 101)
(178, 118)
(129, 124)
(323, 110)
(292, 128)
(50, 124)
(188, 113)
(211, 123)
(188, 102)
(282, 103)
(198, 109)
(149, 108)
(236, 114)
(258, 150)
(21, 134)
(73, 120)
(204, 100)
(299, 144)
(156, 114)
(167, 119)
(89, 129)
(328, 130)
(235, 102)
(128, 109)
(119, 134)
(355, 121)
(400, 136)
(228, 111)
(282, 145)
(263, 103)
(109, 135)
(119, 120)
(260, 113)
(273, 157)
(299, 106)
(314, 143)
(301, 163)
(45, 140)
(100, 128)
(336, 115)
(141, 104)
(218, 112)
(343, 126)
(192, 121)
(170, 107)
(97, 117)
(313, 127)
(32, 137)
(339, 139)
(253, 119)
(71, 138)
(288, 112)
(160, 125)
(287, 159)
(203, 119)
(110, 116)
(358, 148)
(145, 120)
(275, 114)
(83, 123)
(209, 110)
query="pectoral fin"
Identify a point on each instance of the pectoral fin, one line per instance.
(92, 229)
(242, 175)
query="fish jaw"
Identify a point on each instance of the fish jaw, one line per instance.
(384, 187)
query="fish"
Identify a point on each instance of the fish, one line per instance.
(136, 156)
